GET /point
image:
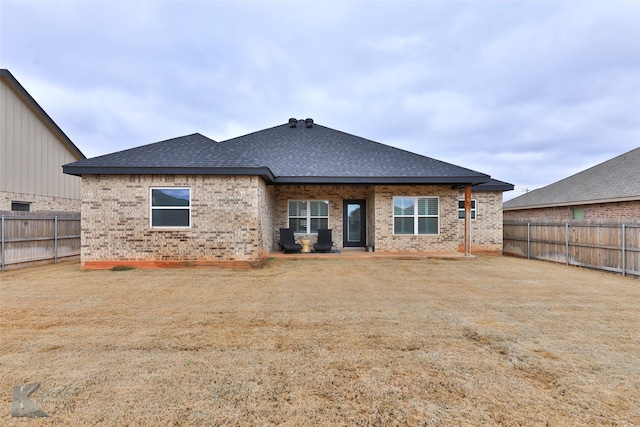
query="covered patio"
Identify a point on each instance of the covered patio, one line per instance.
(361, 253)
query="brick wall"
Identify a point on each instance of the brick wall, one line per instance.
(629, 210)
(236, 218)
(486, 229)
(39, 203)
(266, 209)
(335, 194)
(385, 240)
(227, 224)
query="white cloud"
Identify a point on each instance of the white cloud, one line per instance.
(447, 111)
(525, 91)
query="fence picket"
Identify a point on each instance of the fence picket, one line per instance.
(605, 246)
(34, 238)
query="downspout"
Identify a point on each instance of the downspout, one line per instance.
(467, 220)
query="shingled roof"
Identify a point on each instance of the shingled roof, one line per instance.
(193, 154)
(300, 152)
(615, 180)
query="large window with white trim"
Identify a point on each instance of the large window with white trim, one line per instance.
(170, 207)
(461, 209)
(308, 216)
(416, 215)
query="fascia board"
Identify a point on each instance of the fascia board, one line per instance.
(106, 170)
(473, 180)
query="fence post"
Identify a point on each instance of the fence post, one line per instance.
(55, 239)
(528, 240)
(566, 232)
(2, 226)
(624, 255)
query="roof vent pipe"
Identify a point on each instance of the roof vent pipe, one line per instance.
(309, 123)
(293, 122)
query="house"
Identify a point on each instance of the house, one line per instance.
(194, 201)
(608, 191)
(33, 149)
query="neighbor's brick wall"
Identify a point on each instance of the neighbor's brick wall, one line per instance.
(629, 210)
(39, 203)
(446, 241)
(486, 229)
(226, 222)
(335, 194)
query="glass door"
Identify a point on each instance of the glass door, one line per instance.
(354, 223)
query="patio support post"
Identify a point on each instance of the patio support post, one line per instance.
(467, 220)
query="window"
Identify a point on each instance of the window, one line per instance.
(308, 216)
(416, 215)
(577, 212)
(170, 207)
(21, 206)
(461, 209)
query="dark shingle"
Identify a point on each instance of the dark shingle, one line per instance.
(615, 179)
(283, 154)
(319, 153)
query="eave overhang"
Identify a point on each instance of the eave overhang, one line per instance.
(498, 187)
(267, 175)
(491, 187)
(263, 172)
(383, 180)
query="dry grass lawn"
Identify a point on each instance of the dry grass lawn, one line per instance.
(371, 342)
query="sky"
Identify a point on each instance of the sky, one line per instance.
(529, 92)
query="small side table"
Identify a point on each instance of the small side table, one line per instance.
(305, 245)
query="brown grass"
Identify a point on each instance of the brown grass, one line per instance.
(491, 341)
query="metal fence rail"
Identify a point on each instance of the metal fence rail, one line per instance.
(613, 247)
(27, 239)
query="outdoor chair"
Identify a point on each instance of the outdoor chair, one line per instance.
(287, 242)
(324, 240)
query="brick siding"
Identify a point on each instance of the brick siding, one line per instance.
(335, 194)
(445, 241)
(237, 218)
(227, 224)
(629, 210)
(39, 203)
(486, 229)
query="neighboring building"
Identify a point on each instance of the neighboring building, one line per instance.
(193, 201)
(608, 191)
(32, 151)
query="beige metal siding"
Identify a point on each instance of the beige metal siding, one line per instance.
(31, 154)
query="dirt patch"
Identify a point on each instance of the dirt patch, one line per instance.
(490, 341)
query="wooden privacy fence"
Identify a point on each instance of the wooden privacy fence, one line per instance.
(33, 238)
(609, 246)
